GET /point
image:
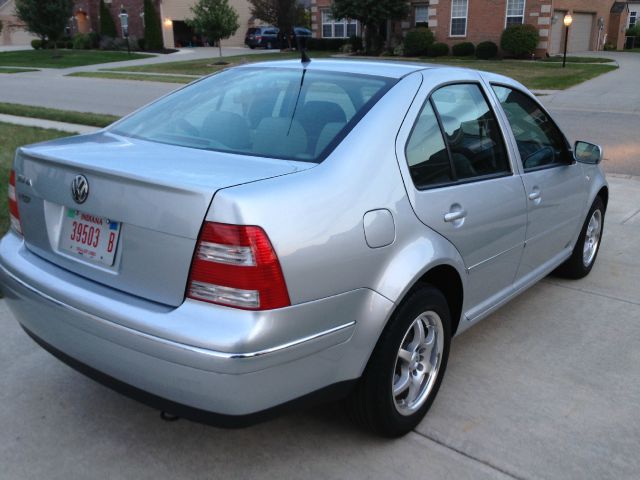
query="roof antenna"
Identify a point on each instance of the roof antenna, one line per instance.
(302, 47)
(305, 63)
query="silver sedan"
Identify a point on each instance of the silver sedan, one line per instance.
(283, 232)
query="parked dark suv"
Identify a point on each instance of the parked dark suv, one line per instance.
(266, 37)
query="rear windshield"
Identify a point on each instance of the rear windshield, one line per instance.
(269, 112)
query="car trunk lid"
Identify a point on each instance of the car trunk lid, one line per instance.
(152, 197)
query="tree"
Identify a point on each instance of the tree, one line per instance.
(1, 25)
(215, 19)
(107, 25)
(152, 27)
(46, 19)
(280, 13)
(371, 14)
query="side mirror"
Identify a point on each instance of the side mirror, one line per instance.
(585, 152)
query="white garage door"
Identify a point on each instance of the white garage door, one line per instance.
(580, 32)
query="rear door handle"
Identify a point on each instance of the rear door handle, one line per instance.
(535, 194)
(454, 216)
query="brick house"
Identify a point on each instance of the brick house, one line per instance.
(454, 21)
(86, 18)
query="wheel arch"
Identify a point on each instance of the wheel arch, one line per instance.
(446, 279)
(603, 193)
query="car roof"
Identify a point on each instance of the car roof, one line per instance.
(390, 69)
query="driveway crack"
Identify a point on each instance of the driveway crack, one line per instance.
(471, 457)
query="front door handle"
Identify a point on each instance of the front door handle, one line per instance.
(455, 216)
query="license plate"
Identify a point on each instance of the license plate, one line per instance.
(89, 236)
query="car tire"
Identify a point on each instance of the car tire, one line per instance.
(269, 46)
(381, 402)
(584, 254)
(252, 47)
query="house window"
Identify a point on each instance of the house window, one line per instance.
(332, 28)
(422, 15)
(515, 12)
(632, 18)
(459, 9)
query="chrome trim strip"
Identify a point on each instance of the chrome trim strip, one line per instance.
(181, 346)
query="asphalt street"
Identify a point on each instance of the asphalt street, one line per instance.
(547, 387)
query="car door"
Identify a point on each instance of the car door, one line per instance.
(553, 181)
(462, 185)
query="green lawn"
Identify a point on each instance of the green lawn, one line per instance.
(578, 59)
(135, 76)
(208, 65)
(539, 75)
(12, 137)
(17, 70)
(63, 58)
(534, 74)
(69, 116)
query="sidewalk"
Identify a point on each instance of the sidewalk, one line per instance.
(41, 123)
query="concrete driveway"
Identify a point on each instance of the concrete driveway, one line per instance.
(605, 110)
(547, 387)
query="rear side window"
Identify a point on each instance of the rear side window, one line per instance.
(540, 142)
(426, 152)
(456, 138)
(270, 112)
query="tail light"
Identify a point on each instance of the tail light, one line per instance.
(14, 214)
(236, 266)
(258, 37)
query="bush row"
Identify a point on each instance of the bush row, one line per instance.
(88, 41)
(421, 42)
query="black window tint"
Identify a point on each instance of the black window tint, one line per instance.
(540, 142)
(471, 131)
(426, 152)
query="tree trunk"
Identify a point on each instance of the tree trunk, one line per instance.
(220, 47)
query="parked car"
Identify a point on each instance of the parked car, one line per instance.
(282, 232)
(266, 37)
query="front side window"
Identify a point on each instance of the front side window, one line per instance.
(268, 112)
(422, 15)
(459, 9)
(332, 28)
(469, 146)
(540, 142)
(515, 12)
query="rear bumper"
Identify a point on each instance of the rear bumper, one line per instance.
(196, 357)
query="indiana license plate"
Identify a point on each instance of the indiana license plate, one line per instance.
(89, 236)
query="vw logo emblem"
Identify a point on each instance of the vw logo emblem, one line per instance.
(80, 189)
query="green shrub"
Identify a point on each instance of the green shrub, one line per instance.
(486, 50)
(464, 49)
(36, 44)
(356, 43)
(94, 39)
(609, 47)
(152, 27)
(81, 41)
(520, 40)
(141, 44)
(634, 31)
(438, 49)
(107, 24)
(325, 44)
(417, 42)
